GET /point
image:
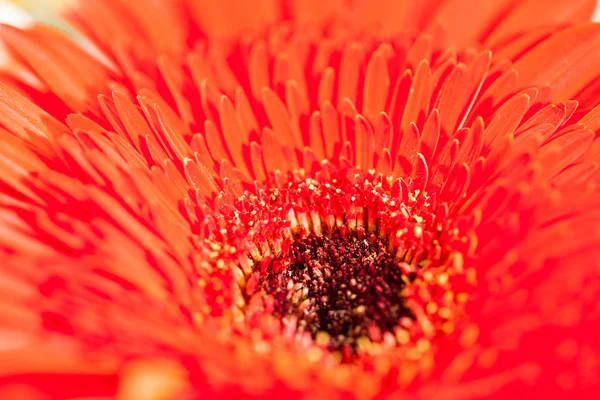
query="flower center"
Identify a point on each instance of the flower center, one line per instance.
(356, 264)
(341, 288)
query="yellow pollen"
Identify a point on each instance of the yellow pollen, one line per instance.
(442, 279)
(364, 343)
(446, 313)
(448, 327)
(322, 338)
(418, 231)
(402, 336)
(431, 308)
(215, 246)
(458, 262)
(423, 345)
(462, 298)
(428, 276)
(314, 354)
(448, 296)
(261, 346)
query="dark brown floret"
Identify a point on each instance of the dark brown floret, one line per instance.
(345, 286)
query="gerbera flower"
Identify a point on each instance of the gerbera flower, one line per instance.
(348, 199)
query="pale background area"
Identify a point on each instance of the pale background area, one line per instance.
(44, 9)
(41, 9)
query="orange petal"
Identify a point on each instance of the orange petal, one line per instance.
(567, 61)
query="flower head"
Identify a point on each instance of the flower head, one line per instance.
(355, 199)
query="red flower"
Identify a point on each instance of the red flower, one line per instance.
(347, 199)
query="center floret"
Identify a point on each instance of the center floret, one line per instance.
(357, 263)
(339, 287)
